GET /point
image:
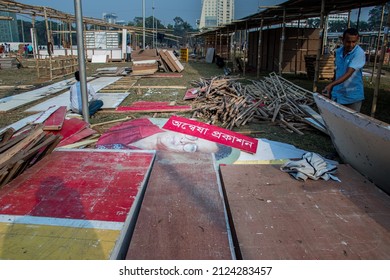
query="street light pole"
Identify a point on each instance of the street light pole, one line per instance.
(153, 24)
(143, 24)
(81, 58)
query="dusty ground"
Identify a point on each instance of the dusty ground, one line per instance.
(313, 140)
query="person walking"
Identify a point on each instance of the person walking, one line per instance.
(94, 104)
(347, 88)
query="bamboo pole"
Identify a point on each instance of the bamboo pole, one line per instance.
(378, 42)
(378, 73)
(319, 51)
(235, 49)
(282, 39)
(259, 47)
(246, 47)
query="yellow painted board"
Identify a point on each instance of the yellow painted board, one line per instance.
(41, 242)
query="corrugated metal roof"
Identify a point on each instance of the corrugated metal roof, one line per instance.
(297, 10)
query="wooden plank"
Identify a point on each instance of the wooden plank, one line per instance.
(71, 127)
(73, 204)
(56, 120)
(278, 217)
(162, 87)
(171, 56)
(77, 136)
(164, 57)
(6, 135)
(154, 107)
(6, 155)
(182, 214)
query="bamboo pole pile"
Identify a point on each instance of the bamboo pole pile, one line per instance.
(229, 103)
(22, 150)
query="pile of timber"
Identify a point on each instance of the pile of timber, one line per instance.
(228, 103)
(19, 151)
(149, 61)
(326, 68)
(145, 62)
(112, 71)
(170, 62)
(8, 63)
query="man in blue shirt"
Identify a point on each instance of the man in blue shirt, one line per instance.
(347, 88)
(94, 103)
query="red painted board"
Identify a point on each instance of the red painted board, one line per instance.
(71, 127)
(212, 133)
(56, 120)
(74, 184)
(152, 108)
(77, 137)
(149, 103)
(192, 93)
(147, 106)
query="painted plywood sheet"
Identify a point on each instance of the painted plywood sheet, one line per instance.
(21, 123)
(182, 214)
(73, 198)
(277, 217)
(12, 102)
(361, 141)
(63, 99)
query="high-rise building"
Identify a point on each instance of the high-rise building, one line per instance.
(9, 28)
(110, 17)
(216, 13)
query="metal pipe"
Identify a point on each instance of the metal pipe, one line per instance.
(143, 24)
(81, 58)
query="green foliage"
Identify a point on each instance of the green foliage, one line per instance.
(375, 16)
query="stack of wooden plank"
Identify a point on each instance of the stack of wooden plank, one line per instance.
(145, 62)
(228, 103)
(326, 68)
(19, 151)
(112, 71)
(8, 63)
(170, 61)
(146, 67)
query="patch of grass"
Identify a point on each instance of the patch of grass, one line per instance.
(312, 140)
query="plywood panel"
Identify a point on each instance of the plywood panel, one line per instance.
(360, 140)
(73, 198)
(278, 217)
(182, 214)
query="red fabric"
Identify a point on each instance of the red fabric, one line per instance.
(129, 132)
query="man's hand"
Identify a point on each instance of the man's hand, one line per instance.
(327, 91)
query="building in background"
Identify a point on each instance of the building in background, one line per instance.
(338, 17)
(216, 13)
(110, 18)
(8, 27)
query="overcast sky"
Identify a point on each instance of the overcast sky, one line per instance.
(165, 10)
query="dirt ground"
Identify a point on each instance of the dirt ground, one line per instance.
(16, 81)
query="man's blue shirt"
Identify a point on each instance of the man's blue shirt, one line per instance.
(352, 90)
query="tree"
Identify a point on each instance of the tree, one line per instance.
(181, 28)
(337, 26)
(375, 16)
